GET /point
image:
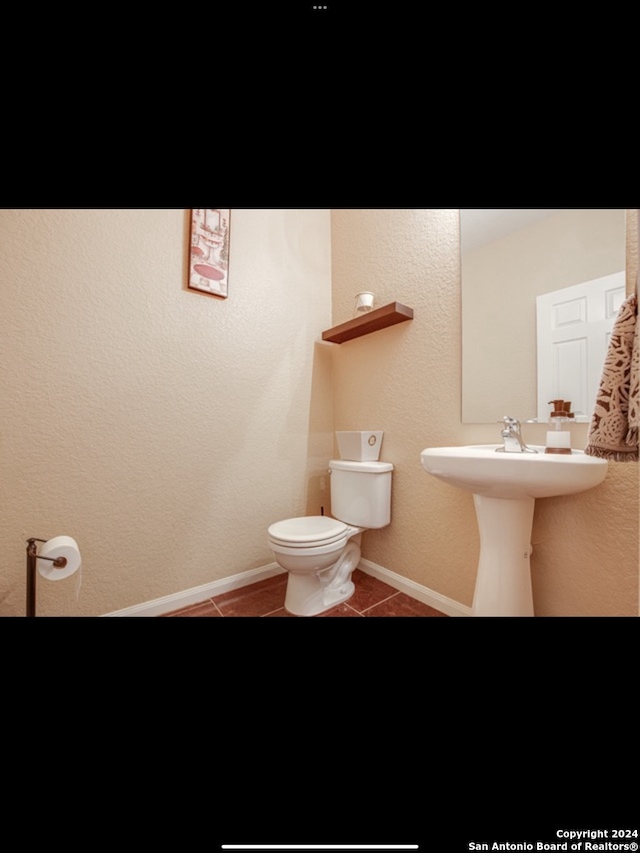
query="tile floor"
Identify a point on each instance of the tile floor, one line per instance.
(372, 597)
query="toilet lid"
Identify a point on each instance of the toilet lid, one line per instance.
(303, 531)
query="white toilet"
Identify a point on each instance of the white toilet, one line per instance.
(321, 553)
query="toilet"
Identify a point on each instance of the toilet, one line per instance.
(320, 553)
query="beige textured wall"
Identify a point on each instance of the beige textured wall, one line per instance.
(407, 381)
(163, 429)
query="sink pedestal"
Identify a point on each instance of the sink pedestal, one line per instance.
(503, 585)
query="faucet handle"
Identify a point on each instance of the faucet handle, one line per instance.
(511, 423)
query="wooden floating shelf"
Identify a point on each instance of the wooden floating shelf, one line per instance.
(381, 318)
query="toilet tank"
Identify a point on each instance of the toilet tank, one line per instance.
(361, 493)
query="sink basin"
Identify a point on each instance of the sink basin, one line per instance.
(505, 487)
(479, 469)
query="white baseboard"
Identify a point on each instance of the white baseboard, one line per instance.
(198, 594)
(415, 590)
(170, 603)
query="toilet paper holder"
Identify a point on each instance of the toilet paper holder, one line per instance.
(32, 558)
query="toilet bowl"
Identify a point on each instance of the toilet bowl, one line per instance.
(321, 553)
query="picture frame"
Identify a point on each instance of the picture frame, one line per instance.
(209, 251)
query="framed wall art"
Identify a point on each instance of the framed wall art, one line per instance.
(209, 262)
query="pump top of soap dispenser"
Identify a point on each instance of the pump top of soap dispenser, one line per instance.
(561, 409)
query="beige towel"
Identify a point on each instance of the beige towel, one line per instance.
(614, 428)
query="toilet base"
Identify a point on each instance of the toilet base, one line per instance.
(305, 599)
(310, 594)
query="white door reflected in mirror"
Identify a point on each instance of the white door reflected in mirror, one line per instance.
(574, 327)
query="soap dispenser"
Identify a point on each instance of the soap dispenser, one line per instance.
(561, 417)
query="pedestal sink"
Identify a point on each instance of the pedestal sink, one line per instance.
(505, 487)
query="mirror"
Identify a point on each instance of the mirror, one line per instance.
(510, 257)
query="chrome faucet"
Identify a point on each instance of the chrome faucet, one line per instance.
(512, 436)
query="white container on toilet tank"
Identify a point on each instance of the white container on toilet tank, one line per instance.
(360, 445)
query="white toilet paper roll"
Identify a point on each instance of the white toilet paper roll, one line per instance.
(59, 546)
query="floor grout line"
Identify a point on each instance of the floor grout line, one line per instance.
(383, 601)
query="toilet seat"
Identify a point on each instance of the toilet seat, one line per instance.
(308, 532)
